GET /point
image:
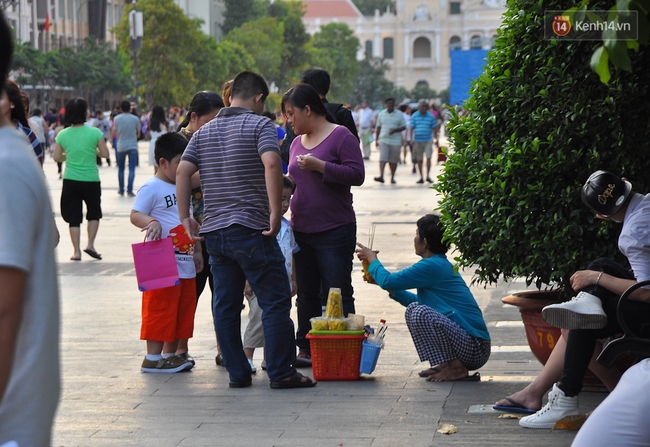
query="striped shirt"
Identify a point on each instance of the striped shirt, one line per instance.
(227, 151)
(422, 126)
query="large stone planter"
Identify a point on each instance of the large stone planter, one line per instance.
(540, 335)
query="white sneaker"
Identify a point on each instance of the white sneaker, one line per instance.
(558, 407)
(584, 311)
(253, 368)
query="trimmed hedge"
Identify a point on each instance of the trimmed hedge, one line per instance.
(539, 122)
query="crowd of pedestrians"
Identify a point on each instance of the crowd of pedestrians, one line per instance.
(224, 178)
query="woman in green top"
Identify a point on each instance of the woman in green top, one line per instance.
(78, 145)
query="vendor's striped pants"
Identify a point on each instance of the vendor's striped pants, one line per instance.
(438, 339)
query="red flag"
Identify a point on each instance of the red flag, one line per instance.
(47, 21)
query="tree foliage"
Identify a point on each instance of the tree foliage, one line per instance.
(264, 40)
(164, 66)
(335, 50)
(539, 123)
(290, 14)
(93, 69)
(239, 12)
(371, 84)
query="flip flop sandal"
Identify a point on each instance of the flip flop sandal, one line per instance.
(429, 372)
(476, 377)
(516, 407)
(295, 381)
(92, 253)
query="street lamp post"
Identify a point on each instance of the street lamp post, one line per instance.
(137, 32)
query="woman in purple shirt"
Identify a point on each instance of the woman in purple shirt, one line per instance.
(325, 161)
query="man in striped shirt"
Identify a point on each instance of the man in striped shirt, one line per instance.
(238, 157)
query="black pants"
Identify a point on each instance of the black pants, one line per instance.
(581, 342)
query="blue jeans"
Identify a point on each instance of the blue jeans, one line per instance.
(324, 261)
(237, 254)
(121, 161)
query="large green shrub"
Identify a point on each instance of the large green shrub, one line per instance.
(539, 122)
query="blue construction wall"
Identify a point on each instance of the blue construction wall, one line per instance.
(466, 65)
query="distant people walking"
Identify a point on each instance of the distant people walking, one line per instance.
(390, 124)
(77, 145)
(325, 163)
(423, 126)
(239, 161)
(103, 123)
(366, 124)
(14, 111)
(127, 130)
(158, 125)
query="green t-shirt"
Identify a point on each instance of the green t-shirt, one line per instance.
(80, 147)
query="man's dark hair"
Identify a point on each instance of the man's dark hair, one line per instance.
(6, 49)
(431, 229)
(125, 106)
(248, 84)
(390, 99)
(37, 112)
(168, 146)
(75, 111)
(287, 182)
(317, 78)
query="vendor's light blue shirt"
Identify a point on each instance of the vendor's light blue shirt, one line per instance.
(438, 286)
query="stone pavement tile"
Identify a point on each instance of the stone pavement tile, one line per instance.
(284, 440)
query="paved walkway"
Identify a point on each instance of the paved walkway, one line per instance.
(107, 401)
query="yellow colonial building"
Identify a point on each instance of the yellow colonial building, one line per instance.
(416, 41)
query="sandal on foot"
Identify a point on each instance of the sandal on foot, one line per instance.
(429, 372)
(240, 384)
(295, 381)
(92, 253)
(476, 377)
(516, 407)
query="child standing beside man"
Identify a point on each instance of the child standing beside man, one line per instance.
(168, 313)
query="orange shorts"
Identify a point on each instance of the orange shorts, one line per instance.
(168, 314)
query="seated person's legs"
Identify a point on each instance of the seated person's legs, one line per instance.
(448, 348)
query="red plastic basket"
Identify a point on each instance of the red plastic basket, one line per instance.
(335, 357)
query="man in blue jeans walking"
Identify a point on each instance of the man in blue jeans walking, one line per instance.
(238, 156)
(127, 131)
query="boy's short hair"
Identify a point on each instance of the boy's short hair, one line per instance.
(125, 106)
(317, 78)
(168, 146)
(431, 229)
(287, 182)
(248, 84)
(6, 49)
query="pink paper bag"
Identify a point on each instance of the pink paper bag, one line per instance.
(155, 264)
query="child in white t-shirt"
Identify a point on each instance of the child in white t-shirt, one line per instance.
(168, 313)
(254, 333)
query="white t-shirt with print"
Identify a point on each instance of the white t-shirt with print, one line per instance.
(157, 199)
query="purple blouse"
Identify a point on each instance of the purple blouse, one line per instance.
(324, 201)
